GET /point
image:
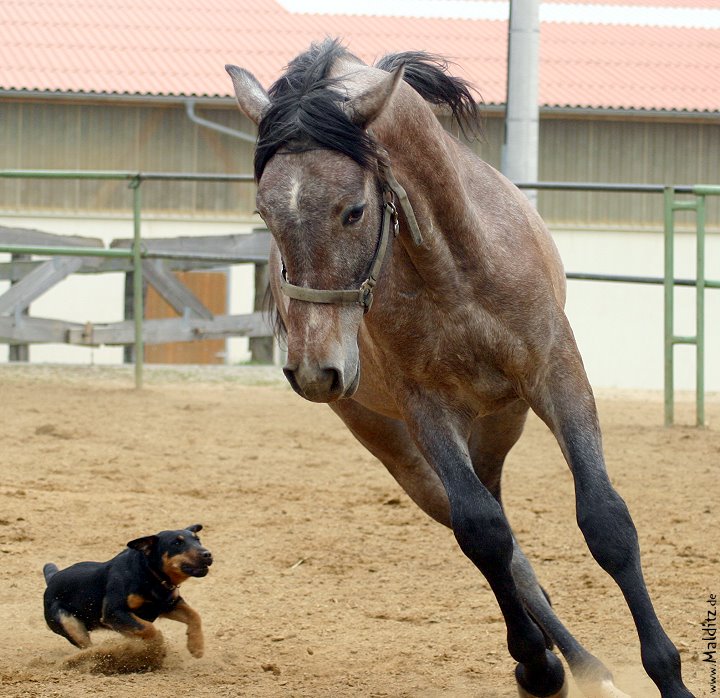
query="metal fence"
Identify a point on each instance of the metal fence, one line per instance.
(671, 204)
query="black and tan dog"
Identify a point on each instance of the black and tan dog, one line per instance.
(130, 591)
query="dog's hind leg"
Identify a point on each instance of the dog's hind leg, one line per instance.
(74, 630)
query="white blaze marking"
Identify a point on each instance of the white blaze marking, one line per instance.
(294, 193)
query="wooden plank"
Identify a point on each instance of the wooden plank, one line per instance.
(251, 247)
(14, 271)
(171, 330)
(33, 330)
(30, 236)
(19, 352)
(176, 293)
(20, 295)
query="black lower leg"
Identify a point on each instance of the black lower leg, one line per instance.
(612, 539)
(485, 537)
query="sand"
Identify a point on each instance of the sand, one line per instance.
(328, 581)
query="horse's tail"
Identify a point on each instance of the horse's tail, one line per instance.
(49, 571)
(427, 74)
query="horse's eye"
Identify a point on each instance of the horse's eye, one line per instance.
(354, 215)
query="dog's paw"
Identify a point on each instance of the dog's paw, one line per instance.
(196, 644)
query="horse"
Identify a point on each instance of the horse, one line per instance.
(421, 297)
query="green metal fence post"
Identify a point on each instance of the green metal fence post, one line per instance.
(700, 312)
(671, 339)
(669, 318)
(138, 304)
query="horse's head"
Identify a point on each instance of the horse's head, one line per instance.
(320, 193)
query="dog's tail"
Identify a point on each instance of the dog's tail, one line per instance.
(49, 570)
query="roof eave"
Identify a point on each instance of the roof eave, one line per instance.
(491, 109)
(116, 97)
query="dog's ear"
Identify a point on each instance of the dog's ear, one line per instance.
(145, 545)
(194, 528)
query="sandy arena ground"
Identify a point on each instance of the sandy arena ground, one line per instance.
(328, 581)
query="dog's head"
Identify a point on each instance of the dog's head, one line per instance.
(176, 555)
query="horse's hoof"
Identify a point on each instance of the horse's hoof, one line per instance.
(562, 693)
(601, 689)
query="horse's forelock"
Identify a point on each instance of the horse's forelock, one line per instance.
(306, 111)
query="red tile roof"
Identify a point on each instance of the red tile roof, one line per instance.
(179, 47)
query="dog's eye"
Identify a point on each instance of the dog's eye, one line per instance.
(178, 541)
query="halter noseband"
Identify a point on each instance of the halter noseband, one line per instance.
(363, 296)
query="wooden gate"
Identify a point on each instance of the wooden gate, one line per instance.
(211, 287)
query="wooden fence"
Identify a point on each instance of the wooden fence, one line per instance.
(31, 277)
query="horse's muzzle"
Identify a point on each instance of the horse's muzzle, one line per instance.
(316, 385)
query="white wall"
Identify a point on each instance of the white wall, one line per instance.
(619, 327)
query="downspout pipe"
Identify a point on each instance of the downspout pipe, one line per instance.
(190, 111)
(520, 147)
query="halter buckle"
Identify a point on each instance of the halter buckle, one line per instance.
(365, 293)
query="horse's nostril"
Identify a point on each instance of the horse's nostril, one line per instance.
(334, 379)
(290, 375)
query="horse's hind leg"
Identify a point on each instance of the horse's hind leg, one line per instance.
(491, 439)
(567, 405)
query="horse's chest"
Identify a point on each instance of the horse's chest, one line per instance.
(452, 362)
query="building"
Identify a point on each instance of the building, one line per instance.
(100, 85)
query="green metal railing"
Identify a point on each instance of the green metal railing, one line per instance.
(136, 253)
(697, 204)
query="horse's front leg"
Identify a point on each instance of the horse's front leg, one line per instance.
(484, 535)
(567, 405)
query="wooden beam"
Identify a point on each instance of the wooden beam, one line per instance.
(176, 293)
(172, 330)
(14, 271)
(32, 330)
(251, 247)
(20, 295)
(30, 236)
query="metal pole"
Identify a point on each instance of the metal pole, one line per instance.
(700, 313)
(138, 304)
(669, 326)
(520, 148)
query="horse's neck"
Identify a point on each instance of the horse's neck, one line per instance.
(425, 161)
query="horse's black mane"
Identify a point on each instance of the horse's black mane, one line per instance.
(306, 112)
(427, 74)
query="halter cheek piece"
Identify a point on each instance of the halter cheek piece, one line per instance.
(363, 296)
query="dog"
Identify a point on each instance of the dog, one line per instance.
(129, 592)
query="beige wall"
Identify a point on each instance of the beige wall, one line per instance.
(69, 136)
(55, 135)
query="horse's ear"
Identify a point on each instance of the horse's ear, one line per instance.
(365, 107)
(251, 96)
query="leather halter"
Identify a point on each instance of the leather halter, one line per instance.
(363, 295)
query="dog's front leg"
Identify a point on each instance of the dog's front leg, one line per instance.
(183, 613)
(127, 623)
